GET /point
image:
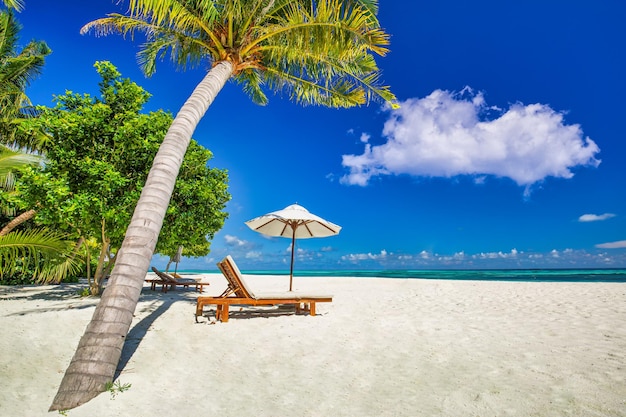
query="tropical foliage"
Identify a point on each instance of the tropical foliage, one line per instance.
(96, 166)
(18, 68)
(33, 253)
(38, 252)
(11, 160)
(14, 4)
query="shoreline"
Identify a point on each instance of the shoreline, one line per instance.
(509, 275)
(383, 347)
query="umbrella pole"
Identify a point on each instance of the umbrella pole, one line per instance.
(293, 244)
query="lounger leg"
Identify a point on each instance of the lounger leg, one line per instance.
(312, 308)
(199, 308)
(224, 313)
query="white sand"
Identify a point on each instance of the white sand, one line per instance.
(383, 347)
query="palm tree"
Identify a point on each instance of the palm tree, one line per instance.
(40, 248)
(17, 70)
(319, 52)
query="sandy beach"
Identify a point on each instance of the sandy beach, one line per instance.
(383, 347)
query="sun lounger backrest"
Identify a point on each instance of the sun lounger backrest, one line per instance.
(233, 286)
(239, 277)
(235, 279)
(164, 277)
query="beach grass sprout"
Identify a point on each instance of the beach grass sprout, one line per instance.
(116, 388)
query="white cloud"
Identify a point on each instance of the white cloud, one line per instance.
(364, 256)
(234, 241)
(497, 255)
(459, 255)
(239, 245)
(612, 245)
(298, 250)
(447, 134)
(595, 217)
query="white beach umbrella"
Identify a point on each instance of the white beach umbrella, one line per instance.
(294, 222)
(176, 258)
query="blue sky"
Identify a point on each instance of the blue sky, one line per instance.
(507, 151)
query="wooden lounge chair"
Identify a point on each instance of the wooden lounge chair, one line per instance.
(239, 293)
(157, 281)
(167, 280)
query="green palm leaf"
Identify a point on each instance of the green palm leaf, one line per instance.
(14, 4)
(17, 70)
(10, 161)
(40, 250)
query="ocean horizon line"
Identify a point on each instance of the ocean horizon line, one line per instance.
(529, 275)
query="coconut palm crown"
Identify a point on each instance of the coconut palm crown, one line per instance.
(317, 52)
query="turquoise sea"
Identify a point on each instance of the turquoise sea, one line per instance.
(527, 275)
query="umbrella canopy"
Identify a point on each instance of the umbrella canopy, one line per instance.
(294, 222)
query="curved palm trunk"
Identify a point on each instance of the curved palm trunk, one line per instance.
(100, 348)
(27, 215)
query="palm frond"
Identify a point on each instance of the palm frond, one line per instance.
(313, 49)
(17, 71)
(186, 46)
(17, 132)
(40, 250)
(181, 16)
(11, 160)
(185, 51)
(251, 82)
(14, 4)
(9, 28)
(340, 93)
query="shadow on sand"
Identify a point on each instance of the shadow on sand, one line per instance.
(159, 303)
(67, 295)
(245, 312)
(46, 298)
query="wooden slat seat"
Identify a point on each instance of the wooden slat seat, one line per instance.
(238, 293)
(167, 280)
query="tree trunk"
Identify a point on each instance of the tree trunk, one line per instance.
(100, 348)
(27, 215)
(98, 278)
